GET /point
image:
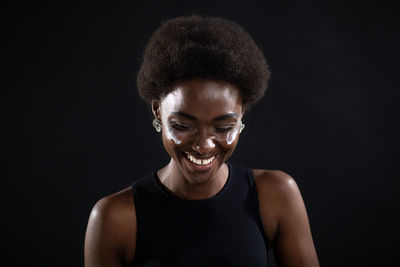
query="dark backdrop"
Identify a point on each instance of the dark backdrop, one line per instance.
(76, 129)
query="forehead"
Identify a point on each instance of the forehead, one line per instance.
(201, 97)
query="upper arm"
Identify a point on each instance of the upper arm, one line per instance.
(281, 202)
(111, 232)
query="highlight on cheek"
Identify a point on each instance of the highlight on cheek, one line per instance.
(232, 135)
(172, 135)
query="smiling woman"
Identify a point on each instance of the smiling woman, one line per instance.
(200, 75)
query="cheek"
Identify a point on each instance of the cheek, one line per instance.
(229, 142)
(174, 136)
(232, 136)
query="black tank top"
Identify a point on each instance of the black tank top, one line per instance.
(224, 230)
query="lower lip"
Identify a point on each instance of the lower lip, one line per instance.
(201, 167)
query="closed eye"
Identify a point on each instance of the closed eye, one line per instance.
(223, 129)
(180, 127)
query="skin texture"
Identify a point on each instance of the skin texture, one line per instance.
(198, 118)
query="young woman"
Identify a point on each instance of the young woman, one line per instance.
(200, 75)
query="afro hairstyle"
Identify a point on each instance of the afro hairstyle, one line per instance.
(197, 47)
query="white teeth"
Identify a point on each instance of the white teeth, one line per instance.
(200, 161)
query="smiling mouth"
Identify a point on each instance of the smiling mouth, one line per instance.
(199, 162)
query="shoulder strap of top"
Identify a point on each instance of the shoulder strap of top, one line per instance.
(142, 188)
(254, 193)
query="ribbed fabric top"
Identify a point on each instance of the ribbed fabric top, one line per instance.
(224, 230)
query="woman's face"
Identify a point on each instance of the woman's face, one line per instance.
(200, 120)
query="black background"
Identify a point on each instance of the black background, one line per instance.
(77, 131)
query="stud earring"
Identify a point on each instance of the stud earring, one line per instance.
(157, 125)
(241, 127)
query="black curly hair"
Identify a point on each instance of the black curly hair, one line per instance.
(205, 48)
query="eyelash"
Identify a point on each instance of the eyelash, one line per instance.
(223, 130)
(180, 127)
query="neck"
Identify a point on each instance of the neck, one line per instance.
(192, 187)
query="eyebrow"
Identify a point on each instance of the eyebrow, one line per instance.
(218, 118)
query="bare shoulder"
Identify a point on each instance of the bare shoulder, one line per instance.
(275, 184)
(116, 206)
(111, 230)
(275, 189)
(285, 219)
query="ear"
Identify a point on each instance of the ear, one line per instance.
(155, 108)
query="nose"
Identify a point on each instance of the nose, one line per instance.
(204, 143)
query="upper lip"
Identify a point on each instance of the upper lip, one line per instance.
(197, 156)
